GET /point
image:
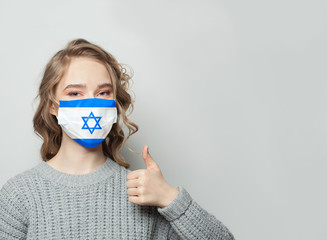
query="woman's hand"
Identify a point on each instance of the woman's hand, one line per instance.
(148, 186)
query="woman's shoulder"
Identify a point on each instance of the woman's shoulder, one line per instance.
(19, 179)
(119, 168)
(13, 191)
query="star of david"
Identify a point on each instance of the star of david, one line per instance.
(96, 126)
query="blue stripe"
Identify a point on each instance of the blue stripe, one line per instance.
(88, 102)
(89, 143)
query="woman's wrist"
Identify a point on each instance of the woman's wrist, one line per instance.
(170, 194)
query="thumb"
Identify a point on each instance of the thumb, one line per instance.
(149, 162)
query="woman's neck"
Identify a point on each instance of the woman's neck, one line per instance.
(73, 158)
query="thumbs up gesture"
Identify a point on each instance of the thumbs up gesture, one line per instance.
(148, 186)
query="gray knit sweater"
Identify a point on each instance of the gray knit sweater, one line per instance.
(44, 203)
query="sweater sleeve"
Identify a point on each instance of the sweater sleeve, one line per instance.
(189, 221)
(13, 221)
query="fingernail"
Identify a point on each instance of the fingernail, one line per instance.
(148, 149)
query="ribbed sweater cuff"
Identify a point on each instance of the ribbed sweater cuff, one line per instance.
(178, 206)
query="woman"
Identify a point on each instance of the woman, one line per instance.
(82, 189)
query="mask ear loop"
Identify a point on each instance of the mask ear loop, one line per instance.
(57, 103)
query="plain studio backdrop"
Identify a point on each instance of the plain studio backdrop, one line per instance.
(230, 96)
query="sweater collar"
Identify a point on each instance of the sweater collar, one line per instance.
(78, 180)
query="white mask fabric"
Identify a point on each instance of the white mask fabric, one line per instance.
(87, 121)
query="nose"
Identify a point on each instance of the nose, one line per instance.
(89, 94)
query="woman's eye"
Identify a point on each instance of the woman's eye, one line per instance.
(104, 93)
(74, 94)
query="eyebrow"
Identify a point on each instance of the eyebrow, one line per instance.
(75, 86)
(84, 86)
(104, 85)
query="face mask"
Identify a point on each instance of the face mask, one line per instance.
(87, 121)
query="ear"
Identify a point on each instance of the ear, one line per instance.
(52, 109)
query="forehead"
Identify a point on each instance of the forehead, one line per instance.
(88, 71)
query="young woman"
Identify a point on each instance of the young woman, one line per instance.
(83, 189)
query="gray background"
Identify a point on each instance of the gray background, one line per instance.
(230, 97)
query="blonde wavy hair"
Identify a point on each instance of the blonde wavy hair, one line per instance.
(46, 125)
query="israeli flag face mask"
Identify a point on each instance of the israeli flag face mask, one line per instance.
(87, 121)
